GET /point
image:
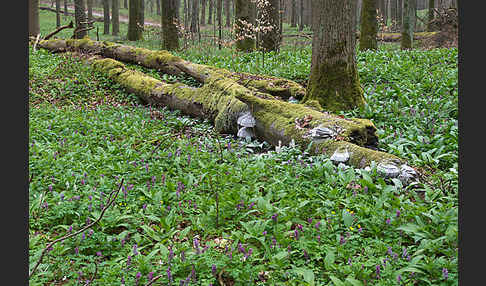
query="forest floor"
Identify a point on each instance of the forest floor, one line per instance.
(200, 206)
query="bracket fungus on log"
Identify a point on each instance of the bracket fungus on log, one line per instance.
(246, 108)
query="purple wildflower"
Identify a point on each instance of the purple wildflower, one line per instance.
(319, 238)
(150, 276)
(61, 196)
(70, 229)
(317, 225)
(387, 221)
(169, 274)
(342, 240)
(296, 234)
(264, 233)
(129, 260)
(378, 271)
(50, 188)
(183, 256)
(399, 278)
(309, 220)
(398, 213)
(135, 252)
(144, 206)
(213, 269)
(98, 253)
(274, 218)
(76, 250)
(445, 273)
(404, 252)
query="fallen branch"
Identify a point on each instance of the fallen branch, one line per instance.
(111, 199)
(70, 25)
(36, 40)
(154, 279)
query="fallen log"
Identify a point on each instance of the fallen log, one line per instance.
(167, 63)
(236, 109)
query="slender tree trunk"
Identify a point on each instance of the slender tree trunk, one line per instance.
(244, 15)
(34, 28)
(203, 13)
(333, 81)
(430, 26)
(194, 16)
(65, 8)
(106, 17)
(125, 4)
(219, 16)
(271, 39)
(293, 17)
(227, 11)
(89, 4)
(115, 17)
(170, 37)
(178, 7)
(134, 24)
(399, 13)
(409, 8)
(369, 26)
(58, 13)
(359, 8)
(393, 12)
(210, 12)
(142, 13)
(157, 2)
(301, 17)
(80, 19)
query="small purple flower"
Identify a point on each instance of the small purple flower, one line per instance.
(90, 232)
(70, 229)
(83, 236)
(349, 262)
(169, 274)
(404, 253)
(296, 234)
(76, 250)
(129, 260)
(274, 242)
(135, 252)
(445, 273)
(399, 278)
(189, 159)
(342, 240)
(388, 221)
(183, 256)
(213, 269)
(378, 271)
(317, 225)
(144, 206)
(389, 250)
(98, 253)
(309, 220)
(150, 276)
(299, 226)
(61, 196)
(50, 188)
(306, 255)
(274, 217)
(251, 205)
(318, 238)
(398, 213)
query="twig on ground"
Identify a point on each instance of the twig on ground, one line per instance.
(111, 199)
(153, 280)
(36, 40)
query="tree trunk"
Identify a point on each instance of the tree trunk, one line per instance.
(80, 19)
(65, 8)
(210, 12)
(393, 13)
(89, 4)
(271, 39)
(430, 26)
(399, 13)
(34, 28)
(157, 2)
(219, 8)
(58, 13)
(244, 19)
(227, 13)
(170, 37)
(359, 8)
(142, 14)
(223, 98)
(293, 17)
(194, 17)
(115, 17)
(106, 17)
(125, 4)
(369, 26)
(202, 21)
(409, 8)
(301, 15)
(333, 80)
(134, 24)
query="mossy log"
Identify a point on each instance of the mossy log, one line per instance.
(170, 64)
(223, 100)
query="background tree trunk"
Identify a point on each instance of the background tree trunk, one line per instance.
(430, 27)
(157, 2)
(58, 13)
(227, 11)
(65, 8)
(219, 15)
(399, 13)
(333, 80)
(293, 17)
(89, 4)
(301, 15)
(106, 17)
(210, 12)
(115, 17)
(393, 13)
(134, 28)
(194, 17)
(34, 28)
(409, 9)
(125, 4)
(244, 14)
(369, 26)
(271, 39)
(170, 37)
(203, 13)
(142, 14)
(80, 19)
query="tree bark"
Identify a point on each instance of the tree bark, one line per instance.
(301, 17)
(80, 19)
(115, 17)
(89, 4)
(106, 17)
(244, 19)
(170, 37)
(333, 80)
(34, 28)
(194, 17)
(58, 13)
(65, 8)
(271, 40)
(369, 26)
(210, 12)
(142, 14)
(430, 26)
(157, 2)
(227, 11)
(409, 8)
(125, 4)
(134, 24)
(400, 13)
(202, 21)
(219, 16)
(223, 98)
(293, 17)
